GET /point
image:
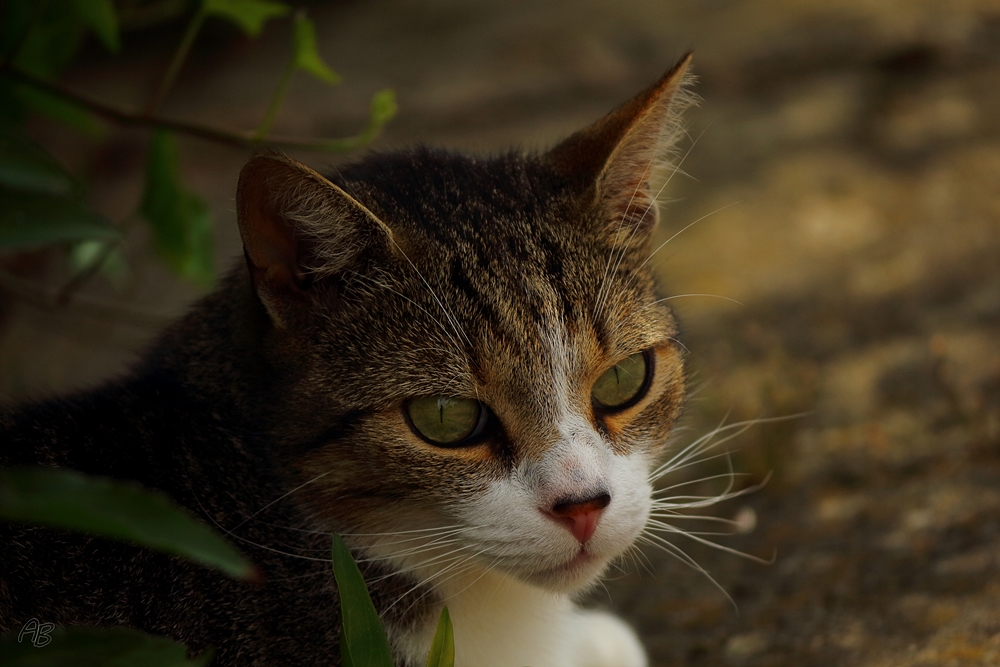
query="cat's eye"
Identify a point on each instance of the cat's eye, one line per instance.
(446, 421)
(623, 384)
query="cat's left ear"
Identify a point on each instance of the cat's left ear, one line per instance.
(298, 228)
(614, 162)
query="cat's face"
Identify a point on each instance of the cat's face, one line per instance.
(482, 374)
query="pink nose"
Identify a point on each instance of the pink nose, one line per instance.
(580, 516)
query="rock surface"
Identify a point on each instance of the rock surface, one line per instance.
(845, 179)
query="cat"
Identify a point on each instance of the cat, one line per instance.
(458, 363)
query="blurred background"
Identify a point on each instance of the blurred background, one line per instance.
(843, 168)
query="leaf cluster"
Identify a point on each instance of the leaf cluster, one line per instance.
(43, 205)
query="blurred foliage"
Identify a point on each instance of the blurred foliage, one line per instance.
(44, 205)
(180, 218)
(119, 510)
(94, 647)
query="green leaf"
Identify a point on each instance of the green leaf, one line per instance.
(306, 56)
(52, 42)
(99, 15)
(363, 641)
(41, 645)
(180, 219)
(442, 653)
(60, 109)
(29, 220)
(24, 165)
(345, 650)
(250, 15)
(383, 108)
(125, 511)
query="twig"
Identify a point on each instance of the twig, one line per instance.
(177, 62)
(41, 297)
(218, 135)
(276, 99)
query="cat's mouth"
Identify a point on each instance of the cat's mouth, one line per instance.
(579, 571)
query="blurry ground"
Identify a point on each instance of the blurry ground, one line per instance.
(856, 148)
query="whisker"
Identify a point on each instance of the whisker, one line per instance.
(447, 313)
(427, 580)
(683, 557)
(677, 516)
(691, 482)
(438, 322)
(282, 497)
(704, 443)
(635, 313)
(687, 227)
(653, 202)
(715, 545)
(599, 299)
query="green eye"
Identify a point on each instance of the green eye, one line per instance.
(446, 421)
(623, 383)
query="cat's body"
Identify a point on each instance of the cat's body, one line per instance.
(288, 405)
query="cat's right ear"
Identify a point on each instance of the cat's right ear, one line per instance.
(614, 163)
(297, 227)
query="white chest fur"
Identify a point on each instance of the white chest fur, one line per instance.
(501, 622)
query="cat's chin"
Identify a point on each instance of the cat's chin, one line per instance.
(579, 573)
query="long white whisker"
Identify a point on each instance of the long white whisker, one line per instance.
(674, 515)
(427, 580)
(682, 556)
(282, 497)
(635, 313)
(438, 322)
(691, 482)
(687, 227)
(412, 551)
(653, 202)
(611, 254)
(447, 313)
(709, 543)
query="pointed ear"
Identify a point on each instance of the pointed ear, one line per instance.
(297, 227)
(615, 161)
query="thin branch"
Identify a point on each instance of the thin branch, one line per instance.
(218, 135)
(41, 297)
(177, 62)
(276, 100)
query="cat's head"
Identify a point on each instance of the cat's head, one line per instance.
(475, 367)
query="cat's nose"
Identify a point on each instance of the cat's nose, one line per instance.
(580, 516)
